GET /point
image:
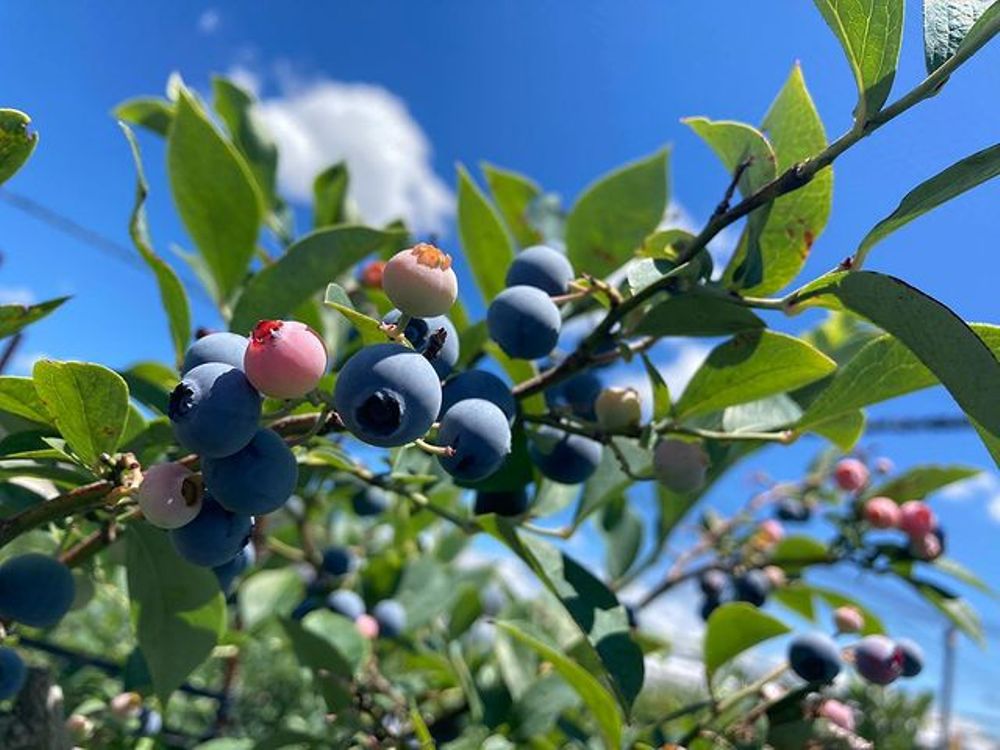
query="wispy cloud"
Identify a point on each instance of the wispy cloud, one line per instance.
(209, 20)
(321, 121)
(984, 487)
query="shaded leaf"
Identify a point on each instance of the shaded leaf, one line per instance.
(946, 23)
(486, 245)
(734, 628)
(330, 196)
(698, 314)
(369, 328)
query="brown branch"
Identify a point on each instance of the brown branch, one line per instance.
(84, 498)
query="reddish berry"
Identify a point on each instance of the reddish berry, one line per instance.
(367, 626)
(371, 274)
(848, 619)
(285, 358)
(916, 519)
(618, 408)
(882, 513)
(850, 474)
(420, 281)
(878, 660)
(926, 547)
(837, 713)
(771, 531)
(776, 576)
(169, 496)
(126, 705)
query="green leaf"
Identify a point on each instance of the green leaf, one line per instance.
(330, 196)
(88, 404)
(751, 366)
(610, 480)
(248, 132)
(796, 219)
(513, 194)
(152, 113)
(734, 628)
(600, 704)
(945, 344)
(958, 571)
(18, 396)
(178, 612)
(623, 532)
(468, 607)
(946, 23)
(269, 593)
(962, 614)
(919, 482)
(172, 294)
(340, 633)
(844, 430)
(314, 651)
(798, 551)
(15, 317)
(369, 328)
(697, 314)
(305, 269)
(16, 143)
(871, 33)
(593, 607)
(955, 180)
(215, 193)
(610, 220)
(873, 623)
(659, 388)
(486, 245)
(537, 711)
(762, 415)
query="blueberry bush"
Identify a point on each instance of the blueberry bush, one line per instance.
(256, 542)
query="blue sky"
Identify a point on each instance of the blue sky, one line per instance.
(563, 91)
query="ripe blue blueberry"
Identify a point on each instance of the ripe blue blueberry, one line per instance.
(36, 590)
(796, 511)
(214, 537)
(577, 394)
(814, 657)
(388, 395)
(371, 501)
(12, 673)
(564, 457)
(503, 503)
(227, 348)
(255, 480)
(215, 410)
(542, 267)
(150, 722)
(228, 572)
(419, 332)
(524, 321)
(492, 600)
(913, 657)
(708, 605)
(338, 561)
(479, 434)
(878, 660)
(346, 603)
(713, 583)
(478, 384)
(391, 618)
(752, 587)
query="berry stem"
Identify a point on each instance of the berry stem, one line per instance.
(435, 450)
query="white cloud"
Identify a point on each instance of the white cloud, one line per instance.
(320, 122)
(984, 486)
(209, 21)
(16, 295)
(969, 734)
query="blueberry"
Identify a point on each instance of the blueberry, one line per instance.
(878, 660)
(285, 358)
(226, 348)
(814, 657)
(577, 394)
(36, 590)
(214, 537)
(338, 561)
(713, 583)
(169, 495)
(255, 480)
(913, 657)
(12, 673)
(790, 509)
(564, 457)
(346, 603)
(214, 410)
(479, 434)
(478, 384)
(307, 605)
(419, 332)
(524, 321)
(371, 501)
(420, 281)
(388, 395)
(543, 268)
(680, 466)
(229, 571)
(150, 722)
(503, 503)
(708, 605)
(492, 600)
(391, 618)
(752, 587)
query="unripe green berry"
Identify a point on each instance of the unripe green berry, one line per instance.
(618, 408)
(680, 466)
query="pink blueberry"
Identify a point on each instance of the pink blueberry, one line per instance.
(420, 281)
(882, 513)
(850, 474)
(125, 705)
(837, 713)
(848, 619)
(285, 358)
(618, 408)
(680, 466)
(367, 626)
(169, 495)
(926, 547)
(916, 519)
(371, 274)
(771, 531)
(776, 576)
